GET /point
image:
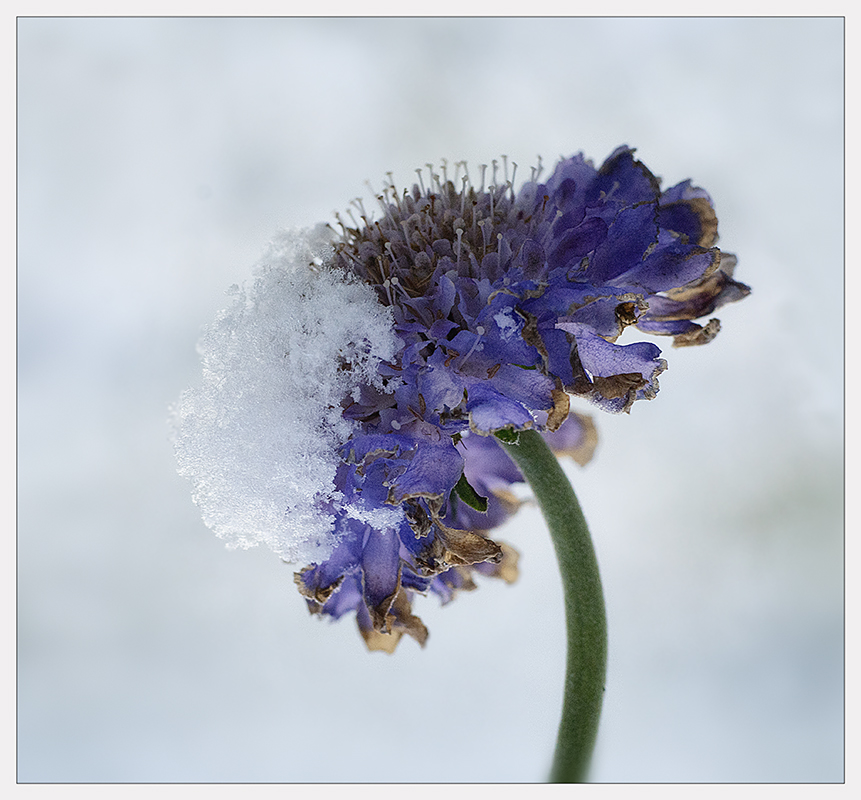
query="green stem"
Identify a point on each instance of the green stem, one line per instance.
(586, 620)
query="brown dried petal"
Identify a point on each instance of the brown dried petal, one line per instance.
(380, 642)
(559, 412)
(506, 567)
(406, 621)
(614, 386)
(316, 597)
(708, 220)
(583, 451)
(465, 547)
(702, 335)
(399, 620)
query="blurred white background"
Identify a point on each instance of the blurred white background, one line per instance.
(156, 158)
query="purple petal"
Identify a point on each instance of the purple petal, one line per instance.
(347, 598)
(432, 472)
(620, 374)
(575, 243)
(490, 411)
(687, 210)
(622, 177)
(528, 387)
(381, 568)
(633, 231)
(669, 267)
(604, 359)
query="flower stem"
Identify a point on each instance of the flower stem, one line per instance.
(586, 620)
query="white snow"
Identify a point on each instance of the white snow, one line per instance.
(508, 326)
(259, 436)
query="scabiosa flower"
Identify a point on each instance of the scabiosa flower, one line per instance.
(464, 313)
(376, 575)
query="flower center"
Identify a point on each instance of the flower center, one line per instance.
(434, 229)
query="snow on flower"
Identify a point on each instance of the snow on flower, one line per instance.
(259, 436)
(353, 395)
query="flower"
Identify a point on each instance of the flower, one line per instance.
(375, 573)
(500, 304)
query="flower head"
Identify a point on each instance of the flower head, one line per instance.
(497, 306)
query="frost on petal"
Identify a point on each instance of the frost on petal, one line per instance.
(259, 436)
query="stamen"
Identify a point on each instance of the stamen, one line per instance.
(430, 177)
(476, 214)
(421, 182)
(394, 190)
(406, 230)
(386, 208)
(495, 167)
(357, 202)
(435, 179)
(396, 284)
(482, 224)
(391, 253)
(396, 425)
(459, 233)
(483, 168)
(513, 174)
(341, 223)
(381, 267)
(345, 251)
(444, 170)
(480, 331)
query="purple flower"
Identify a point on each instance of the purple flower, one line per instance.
(503, 304)
(375, 571)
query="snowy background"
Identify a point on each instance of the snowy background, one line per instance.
(156, 159)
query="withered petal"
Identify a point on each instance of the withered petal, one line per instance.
(317, 596)
(506, 568)
(465, 547)
(559, 412)
(700, 335)
(577, 441)
(399, 620)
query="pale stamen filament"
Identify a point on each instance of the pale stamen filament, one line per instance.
(480, 331)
